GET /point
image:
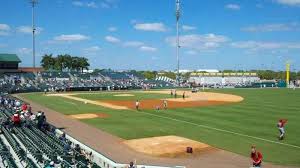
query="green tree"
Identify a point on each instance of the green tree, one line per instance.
(83, 63)
(48, 62)
(149, 74)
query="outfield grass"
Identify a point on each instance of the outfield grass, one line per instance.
(256, 116)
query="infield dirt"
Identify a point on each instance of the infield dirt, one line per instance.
(191, 100)
(168, 146)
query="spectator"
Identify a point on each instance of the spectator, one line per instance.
(16, 119)
(67, 147)
(131, 165)
(77, 148)
(24, 107)
(51, 164)
(62, 137)
(41, 119)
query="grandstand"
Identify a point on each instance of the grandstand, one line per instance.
(223, 79)
(70, 81)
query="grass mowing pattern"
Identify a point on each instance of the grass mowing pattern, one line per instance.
(256, 116)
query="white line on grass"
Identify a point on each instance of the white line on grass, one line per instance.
(70, 103)
(222, 130)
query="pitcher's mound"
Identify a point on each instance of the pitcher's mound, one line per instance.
(167, 146)
(88, 116)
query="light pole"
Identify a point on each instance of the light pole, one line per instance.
(177, 36)
(33, 3)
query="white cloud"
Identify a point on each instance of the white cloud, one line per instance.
(289, 2)
(191, 52)
(4, 29)
(199, 42)
(273, 27)
(133, 21)
(147, 48)
(188, 28)
(71, 37)
(104, 5)
(133, 44)
(95, 4)
(24, 51)
(112, 29)
(112, 39)
(77, 3)
(28, 29)
(258, 45)
(233, 6)
(92, 49)
(156, 27)
(91, 4)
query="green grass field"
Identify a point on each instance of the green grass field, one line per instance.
(256, 117)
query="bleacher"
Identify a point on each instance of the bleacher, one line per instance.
(224, 79)
(115, 75)
(29, 146)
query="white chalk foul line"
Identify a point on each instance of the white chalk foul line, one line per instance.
(222, 130)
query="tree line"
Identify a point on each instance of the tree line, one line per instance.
(64, 62)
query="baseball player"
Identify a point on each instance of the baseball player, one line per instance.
(165, 104)
(281, 123)
(256, 157)
(137, 104)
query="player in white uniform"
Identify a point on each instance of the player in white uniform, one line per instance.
(137, 105)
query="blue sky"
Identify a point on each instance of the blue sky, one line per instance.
(139, 34)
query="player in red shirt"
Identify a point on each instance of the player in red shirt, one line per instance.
(256, 157)
(281, 123)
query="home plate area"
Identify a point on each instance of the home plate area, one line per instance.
(168, 146)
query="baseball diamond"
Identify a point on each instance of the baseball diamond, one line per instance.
(149, 84)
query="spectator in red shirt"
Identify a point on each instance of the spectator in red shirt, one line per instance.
(256, 157)
(280, 126)
(24, 107)
(16, 119)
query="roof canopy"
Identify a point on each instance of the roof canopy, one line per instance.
(9, 58)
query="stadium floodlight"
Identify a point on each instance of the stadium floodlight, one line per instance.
(178, 13)
(33, 3)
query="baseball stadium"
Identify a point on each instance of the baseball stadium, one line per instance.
(68, 111)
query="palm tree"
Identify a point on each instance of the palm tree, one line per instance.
(48, 62)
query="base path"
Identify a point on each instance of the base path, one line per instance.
(114, 148)
(154, 103)
(107, 105)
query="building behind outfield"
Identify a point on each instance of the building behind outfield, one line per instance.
(9, 62)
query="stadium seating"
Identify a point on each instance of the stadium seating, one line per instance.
(29, 146)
